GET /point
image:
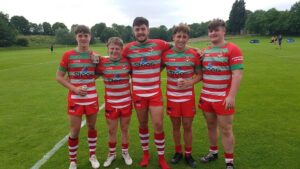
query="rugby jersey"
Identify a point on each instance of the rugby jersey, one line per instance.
(180, 65)
(145, 61)
(217, 66)
(81, 71)
(116, 81)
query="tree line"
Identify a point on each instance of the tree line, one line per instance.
(241, 21)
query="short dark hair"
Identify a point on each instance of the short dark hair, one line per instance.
(115, 40)
(82, 29)
(215, 23)
(138, 21)
(181, 28)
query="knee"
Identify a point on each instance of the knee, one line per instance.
(211, 125)
(112, 131)
(176, 127)
(74, 133)
(226, 131)
(158, 126)
(187, 127)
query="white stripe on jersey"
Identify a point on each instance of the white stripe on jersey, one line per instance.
(118, 93)
(189, 93)
(213, 93)
(215, 86)
(83, 81)
(119, 100)
(179, 100)
(85, 103)
(88, 96)
(145, 87)
(210, 100)
(146, 71)
(153, 79)
(147, 95)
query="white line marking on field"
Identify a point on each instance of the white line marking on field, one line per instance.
(57, 146)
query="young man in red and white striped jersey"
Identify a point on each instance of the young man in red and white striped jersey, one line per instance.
(115, 71)
(82, 97)
(144, 56)
(222, 66)
(183, 71)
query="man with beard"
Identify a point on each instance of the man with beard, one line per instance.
(144, 55)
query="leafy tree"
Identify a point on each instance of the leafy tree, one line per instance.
(21, 24)
(47, 28)
(63, 36)
(7, 33)
(36, 29)
(294, 19)
(237, 17)
(58, 25)
(98, 29)
(107, 33)
(256, 22)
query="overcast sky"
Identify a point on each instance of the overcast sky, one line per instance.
(158, 12)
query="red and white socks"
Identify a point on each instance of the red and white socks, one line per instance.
(144, 139)
(92, 141)
(73, 146)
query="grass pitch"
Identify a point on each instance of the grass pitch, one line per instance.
(266, 126)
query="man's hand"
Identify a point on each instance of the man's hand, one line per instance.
(80, 90)
(229, 102)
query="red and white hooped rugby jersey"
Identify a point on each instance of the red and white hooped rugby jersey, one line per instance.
(180, 65)
(116, 81)
(81, 71)
(217, 66)
(145, 61)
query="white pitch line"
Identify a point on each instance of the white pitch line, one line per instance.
(57, 146)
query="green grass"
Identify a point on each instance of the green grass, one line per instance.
(33, 112)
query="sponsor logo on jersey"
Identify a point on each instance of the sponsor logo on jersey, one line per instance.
(144, 63)
(211, 67)
(115, 79)
(84, 72)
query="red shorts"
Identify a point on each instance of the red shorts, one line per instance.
(114, 113)
(215, 107)
(181, 109)
(78, 110)
(143, 102)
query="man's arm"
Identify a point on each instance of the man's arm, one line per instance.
(60, 78)
(235, 84)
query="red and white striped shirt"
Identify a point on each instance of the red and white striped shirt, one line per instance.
(217, 66)
(81, 71)
(180, 65)
(116, 80)
(145, 60)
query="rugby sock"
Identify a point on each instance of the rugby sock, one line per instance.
(124, 148)
(112, 148)
(228, 158)
(92, 141)
(159, 139)
(213, 149)
(144, 138)
(178, 149)
(73, 146)
(188, 151)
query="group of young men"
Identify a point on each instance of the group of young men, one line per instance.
(219, 66)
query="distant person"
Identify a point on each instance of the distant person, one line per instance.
(144, 55)
(222, 69)
(82, 97)
(115, 71)
(51, 48)
(279, 40)
(183, 71)
(272, 39)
